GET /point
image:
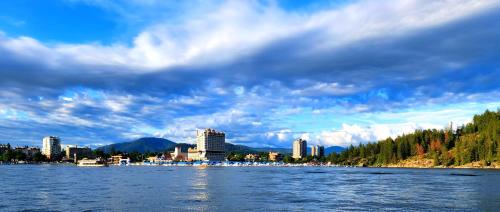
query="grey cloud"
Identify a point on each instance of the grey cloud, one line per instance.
(409, 68)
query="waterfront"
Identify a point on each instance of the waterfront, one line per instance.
(155, 188)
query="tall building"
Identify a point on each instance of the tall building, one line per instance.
(321, 150)
(210, 144)
(299, 148)
(318, 151)
(51, 146)
(314, 151)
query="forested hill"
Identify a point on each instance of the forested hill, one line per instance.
(478, 141)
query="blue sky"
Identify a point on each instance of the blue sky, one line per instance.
(95, 72)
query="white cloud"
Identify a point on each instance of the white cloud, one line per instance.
(322, 88)
(355, 134)
(305, 136)
(283, 135)
(238, 28)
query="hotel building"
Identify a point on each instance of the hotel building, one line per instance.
(51, 146)
(299, 149)
(210, 144)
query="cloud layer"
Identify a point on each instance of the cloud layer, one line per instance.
(264, 74)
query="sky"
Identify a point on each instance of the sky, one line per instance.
(95, 72)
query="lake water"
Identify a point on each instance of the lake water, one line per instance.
(149, 188)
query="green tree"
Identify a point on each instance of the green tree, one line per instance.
(39, 157)
(100, 154)
(288, 159)
(19, 156)
(263, 156)
(234, 156)
(8, 156)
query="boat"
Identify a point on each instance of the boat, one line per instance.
(202, 166)
(91, 163)
(124, 162)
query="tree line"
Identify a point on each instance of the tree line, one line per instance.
(476, 141)
(9, 155)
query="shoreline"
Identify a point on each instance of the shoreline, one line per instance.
(434, 167)
(429, 163)
(272, 165)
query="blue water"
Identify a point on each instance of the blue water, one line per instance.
(136, 188)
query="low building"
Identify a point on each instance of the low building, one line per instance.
(275, 156)
(28, 151)
(193, 154)
(154, 159)
(79, 152)
(159, 158)
(115, 159)
(178, 155)
(167, 156)
(251, 157)
(4, 147)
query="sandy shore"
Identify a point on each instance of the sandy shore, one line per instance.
(429, 163)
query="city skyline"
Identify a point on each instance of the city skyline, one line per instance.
(333, 73)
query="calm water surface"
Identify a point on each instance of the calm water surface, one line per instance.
(136, 188)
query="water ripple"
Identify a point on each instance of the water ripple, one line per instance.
(69, 188)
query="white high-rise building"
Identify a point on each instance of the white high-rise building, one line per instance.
(210, 144)
(51, 146)
(299, 148)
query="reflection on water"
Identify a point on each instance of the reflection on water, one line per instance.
(200, 185)
(60, 188)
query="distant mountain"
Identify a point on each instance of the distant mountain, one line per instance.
(184, 147)
(332, 149)
(141, 145)
(150, 144)
(229, 147)
(270, 149)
